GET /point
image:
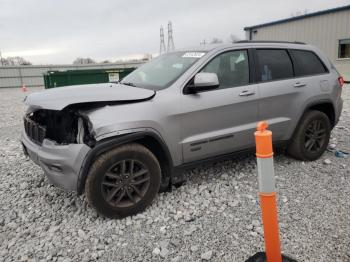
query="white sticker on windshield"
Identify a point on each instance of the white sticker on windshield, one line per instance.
(194, 54)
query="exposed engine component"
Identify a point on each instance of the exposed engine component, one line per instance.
(80, 131)
(63, 127)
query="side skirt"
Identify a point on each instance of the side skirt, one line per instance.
(178, 176)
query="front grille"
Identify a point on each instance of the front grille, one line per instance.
(34, 131)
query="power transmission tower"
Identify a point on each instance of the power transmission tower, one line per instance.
(162, 43)
(171, 45)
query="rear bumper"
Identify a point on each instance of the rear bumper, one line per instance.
(61, 163)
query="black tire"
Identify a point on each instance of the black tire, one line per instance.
(132, 170)
(310, 139)
(164, 182)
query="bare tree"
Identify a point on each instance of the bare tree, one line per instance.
(216, 40)
(1, 60)
(233, 38)
(15, 60)
(299, 13)
(106, 61)
(83, 61)
(204, 42)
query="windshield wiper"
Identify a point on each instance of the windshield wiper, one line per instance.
(128, 83)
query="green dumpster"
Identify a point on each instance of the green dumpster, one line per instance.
(81, 77)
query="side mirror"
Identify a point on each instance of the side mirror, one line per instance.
(204, 82)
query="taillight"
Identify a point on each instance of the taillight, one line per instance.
(341, 81)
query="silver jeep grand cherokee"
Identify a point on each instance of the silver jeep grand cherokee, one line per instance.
(122, 143)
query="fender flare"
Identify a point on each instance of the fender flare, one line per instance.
(109, 143)
(318, 102)
(307, 108)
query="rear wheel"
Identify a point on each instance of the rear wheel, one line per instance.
(123, 181)
(311, 138)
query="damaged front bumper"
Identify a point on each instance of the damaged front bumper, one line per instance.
(61, 163)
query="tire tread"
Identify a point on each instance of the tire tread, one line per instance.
(97, 165)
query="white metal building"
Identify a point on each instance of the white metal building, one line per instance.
(329, 30)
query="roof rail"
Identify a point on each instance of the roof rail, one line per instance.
(270, 41)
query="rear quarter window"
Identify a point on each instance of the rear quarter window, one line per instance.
(307, 63)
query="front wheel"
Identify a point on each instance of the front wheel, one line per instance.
(123, 181)
(311, 138)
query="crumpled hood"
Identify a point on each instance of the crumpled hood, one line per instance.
(61, 97)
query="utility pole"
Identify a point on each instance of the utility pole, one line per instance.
(162, 43)
(171, 45)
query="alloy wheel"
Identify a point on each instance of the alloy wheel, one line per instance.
(315, 136)
(125, 183)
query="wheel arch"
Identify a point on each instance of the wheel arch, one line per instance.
(324, 106)
(148, 139)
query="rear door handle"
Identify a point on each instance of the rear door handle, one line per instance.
(247, 93)
(299, 85)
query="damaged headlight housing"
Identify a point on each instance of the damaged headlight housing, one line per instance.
(63, 127)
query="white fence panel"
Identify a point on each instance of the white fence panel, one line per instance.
(32, 76)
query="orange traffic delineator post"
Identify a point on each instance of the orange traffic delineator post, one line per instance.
(24, 88)
(264, 154)
(267, 195)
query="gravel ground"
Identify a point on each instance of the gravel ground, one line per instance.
(215, 216)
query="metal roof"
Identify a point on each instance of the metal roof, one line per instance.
(323, 12)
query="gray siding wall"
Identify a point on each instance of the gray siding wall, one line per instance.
(32, 76)
(323, 31)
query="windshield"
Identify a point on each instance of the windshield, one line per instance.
(162, 71)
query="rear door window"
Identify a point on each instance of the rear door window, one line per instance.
(307, 63)
(274, 64)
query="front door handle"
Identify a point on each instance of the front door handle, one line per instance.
(298, 84)
(247, 93)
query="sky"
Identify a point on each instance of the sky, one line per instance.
(58, 31)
